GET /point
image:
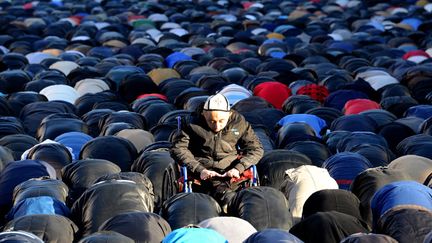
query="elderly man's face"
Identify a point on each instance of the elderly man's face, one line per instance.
(216, 120)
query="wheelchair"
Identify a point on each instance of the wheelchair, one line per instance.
(248, 178)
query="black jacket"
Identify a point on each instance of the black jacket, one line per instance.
(51, 228)
(108, 199)
(199, 148)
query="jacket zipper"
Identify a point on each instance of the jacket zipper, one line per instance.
(215, 140)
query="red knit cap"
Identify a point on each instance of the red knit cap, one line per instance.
(415, 53)
(315, 91)
(273, 92)
(160, 96)
(356, 106)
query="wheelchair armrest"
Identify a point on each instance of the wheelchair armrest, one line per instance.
(250, 174)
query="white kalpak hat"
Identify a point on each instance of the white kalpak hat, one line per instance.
(217, 102)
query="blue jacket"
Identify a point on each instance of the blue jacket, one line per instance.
(194, 235)
(74, 141)
(38, 205)
(400, 193)
(314, 121)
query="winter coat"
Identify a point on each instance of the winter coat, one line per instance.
(199, 148)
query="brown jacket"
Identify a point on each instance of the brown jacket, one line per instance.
(199, 148)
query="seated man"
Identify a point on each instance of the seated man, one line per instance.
(208, 146)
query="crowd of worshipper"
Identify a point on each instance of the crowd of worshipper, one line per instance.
(338, 92)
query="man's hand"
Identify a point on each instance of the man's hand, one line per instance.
(233, 173)
(208, 174)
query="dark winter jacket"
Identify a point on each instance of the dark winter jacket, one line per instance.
(199, 148)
